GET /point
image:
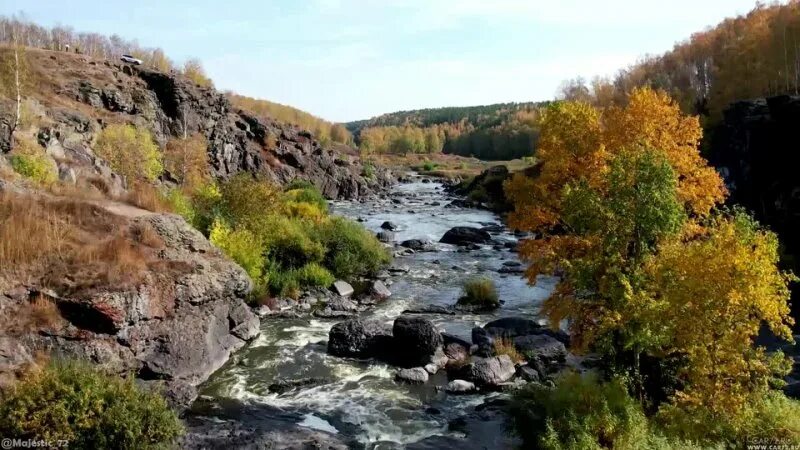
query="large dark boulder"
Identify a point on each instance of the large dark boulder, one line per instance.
(466, 236)
(512, 327)
(358, 338)
(547, 349)
(415, 341)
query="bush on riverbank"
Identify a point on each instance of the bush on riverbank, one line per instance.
(583, 412)
(72, 402)
(481, 293)
(285, 240)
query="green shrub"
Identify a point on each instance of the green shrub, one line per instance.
(351, 250)
(480, 292)
(428, 166)
(289, 243)
(30, 161)
(242, 246)
(478, 195)
(206, 205)
(130, 151)
(181, 204)
(314, 275)
(368, 171)
(283, 282)
(297, 183)
(770, 417)
(581, 412)
(72, 402)
(309, 195)
(247, 202)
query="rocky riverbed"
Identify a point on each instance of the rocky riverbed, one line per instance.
(291, 387)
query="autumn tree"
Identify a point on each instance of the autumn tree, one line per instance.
(186, 159)
(626, 209)
(130, 151)
(193, 69)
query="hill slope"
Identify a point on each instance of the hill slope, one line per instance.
(72, 97)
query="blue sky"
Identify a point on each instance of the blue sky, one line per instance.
(352, 59)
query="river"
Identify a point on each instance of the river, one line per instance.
(360, 401)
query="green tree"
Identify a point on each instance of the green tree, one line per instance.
(130, 151)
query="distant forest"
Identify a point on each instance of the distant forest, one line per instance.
(744, 57)
(493, 132)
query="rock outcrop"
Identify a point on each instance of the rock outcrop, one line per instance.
(177, 325)
(91, 93)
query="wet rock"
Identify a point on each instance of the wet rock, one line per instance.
(390, 226)
(516, 270)
(491, 371)
(545, 348)
(493, 228)
(416, 341)
(457, 354)
(399, 269)
(359, 338)
(379, 290)
(326, 313)
(484, 342)
(418, 245)
(342, 304)
(465, 236)
(431, 309)
(416, 375)
(343, 288)
(281, 386)
(386, 237)
(460, 387)
(529, 374)
(511, 327)
(431, 368)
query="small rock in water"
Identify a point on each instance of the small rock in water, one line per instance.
(431, 368)
(416, 375)
(380, 290)
(492, 371)
(399, 269)
(385, 236)
(342, 304)
(460, 387)
(389, 226)
(343, 288)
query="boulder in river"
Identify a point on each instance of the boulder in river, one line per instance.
(491, 371)
(465, 236)
(416, 341)
(379, 289)
(342, 304)
(415, 375)
(484, 342)
(343, 288)
(391, 226)
(418, 245)
(460, 387)
(543, 347)
(385, 236)
(511, 327)
(359, 338)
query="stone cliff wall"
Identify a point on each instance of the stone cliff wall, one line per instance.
(77, 96)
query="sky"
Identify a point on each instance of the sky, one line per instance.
(346, 60)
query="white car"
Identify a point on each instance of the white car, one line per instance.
(131, 60)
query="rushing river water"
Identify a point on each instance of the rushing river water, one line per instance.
(361, 399)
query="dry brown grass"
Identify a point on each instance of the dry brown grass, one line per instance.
(147, 197)
(71, 246)
(505, 346)
(38, 314)
(29, 233)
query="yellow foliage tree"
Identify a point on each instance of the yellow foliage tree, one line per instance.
(130, 151)
(623, 205)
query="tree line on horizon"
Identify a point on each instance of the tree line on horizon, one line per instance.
(749, 56)
(492, 132)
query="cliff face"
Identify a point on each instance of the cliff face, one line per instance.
(757, 150)
(76, 96)
(155, 299)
